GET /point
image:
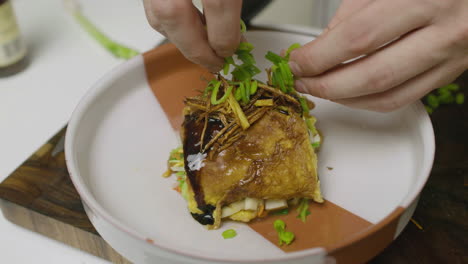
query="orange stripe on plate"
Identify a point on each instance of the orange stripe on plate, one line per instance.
(173, 78)
(367, 244)
(327, 225)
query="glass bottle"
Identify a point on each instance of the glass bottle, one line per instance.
(12, 47)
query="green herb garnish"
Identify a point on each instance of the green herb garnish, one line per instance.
(303, 208)
(284, 211)
(460, 98)
(447, 94)
(117, 49)
(230, 233)
(283, 235)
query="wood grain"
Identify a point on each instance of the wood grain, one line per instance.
(39, 196)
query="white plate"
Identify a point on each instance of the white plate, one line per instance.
(118, 142)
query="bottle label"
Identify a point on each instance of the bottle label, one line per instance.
(12, 48)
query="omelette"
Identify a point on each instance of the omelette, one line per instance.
(248, 148)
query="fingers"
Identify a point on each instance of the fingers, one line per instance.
(387, 68)
(181, 22)
(223, 25)
(362, 33)
(345, 10)
(407, 92)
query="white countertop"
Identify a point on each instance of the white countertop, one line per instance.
(36, 103)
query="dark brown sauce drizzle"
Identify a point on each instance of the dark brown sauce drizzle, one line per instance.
(207, 217)
(192, 139)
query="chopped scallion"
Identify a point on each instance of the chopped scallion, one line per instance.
(253, 87)
(214, 94)
(273, 57)
(303, 208)
(291, 48)
(230, 233)
(460, 98)
(283, 235)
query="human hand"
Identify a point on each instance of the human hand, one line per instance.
(182, 23)
(410, 48)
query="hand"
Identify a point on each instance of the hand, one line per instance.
(410, 48)
(182, 23)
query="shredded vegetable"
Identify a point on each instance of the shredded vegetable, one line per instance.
(303, 209)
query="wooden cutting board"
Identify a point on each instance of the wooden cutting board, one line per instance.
(40, 196)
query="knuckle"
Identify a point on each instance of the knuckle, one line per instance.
(433, 7)
(224, 47)
(309, 62)
(194, 56)
(388, 105)
(169, 11)
(155, 25)
(381, 81)
(213, 4)
(323, 89)
(359, 39)
(461, 35)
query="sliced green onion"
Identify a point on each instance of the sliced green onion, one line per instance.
(429, 109)
(245, 46)
(283, 235)
(453, 87)
(252, 70)
(229, 60)
(303, 208)
(291, 48)
(433, 101)
(240, 74)
(287, 75)
(214, 94)
(245, 56)
(279, 225)
(460, 98)
(315, 145)
(284, 211)
(244, 94)
(273, 57)
(286, 237)
(230, 233)
(243, 27)
(280, 81)
(238, 94)
(247, 84)
(310, 122)
(253, 87)
(305, 107)
(226, 69)
(118, 50)
(446, 98)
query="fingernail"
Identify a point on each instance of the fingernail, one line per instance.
(296, 70)
(300, 86)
